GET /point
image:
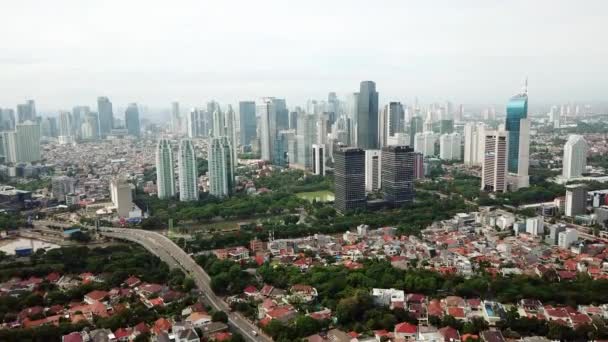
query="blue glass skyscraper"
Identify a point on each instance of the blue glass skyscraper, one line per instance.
(517, 109)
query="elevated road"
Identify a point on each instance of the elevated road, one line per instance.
(174, 256)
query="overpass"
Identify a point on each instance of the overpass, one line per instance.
(175, 257)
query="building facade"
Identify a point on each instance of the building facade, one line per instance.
(187, 171)
(494, 165)
(349, 178)
(165, 170)
(575, 157)
(398, 174)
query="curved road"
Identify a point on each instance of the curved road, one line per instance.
(174, 256)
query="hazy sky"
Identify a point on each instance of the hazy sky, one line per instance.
(67, 52)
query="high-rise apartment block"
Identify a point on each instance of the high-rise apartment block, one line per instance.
(187, 171)
(165, 169)
(221, 169)
(494, 165)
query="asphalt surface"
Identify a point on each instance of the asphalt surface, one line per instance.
(175, 257)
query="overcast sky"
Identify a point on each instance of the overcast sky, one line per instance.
(67, 52)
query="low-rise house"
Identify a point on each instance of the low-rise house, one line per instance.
(95, 296)
(406, 331)
(198, 319)
(306, 292)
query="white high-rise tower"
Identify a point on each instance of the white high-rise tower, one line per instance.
(575, 157)
(188, 185)
(165, 177)
(221, 172)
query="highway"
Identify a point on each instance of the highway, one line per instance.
(174, 256)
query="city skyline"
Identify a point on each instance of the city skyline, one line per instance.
(411, 54)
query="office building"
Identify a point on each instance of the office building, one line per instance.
(305, 138)
(398, 175)
(494, 164)
(418, 165)
(267, 111)
(221, 170)
(349, 178)
(187, 171)
(176, 118)
(247, 122)
(61, 186)
(373, 170)
(79, 115)
(416, 126)
(425, 143)
(367, 116)
(7, 119)
(521, 179)
(89, 128)
(106, 115)
(132, 120)
(65, 124)
(449, 146)
(575, 157)
(576, 199)
(395, 118)
(165, 169)
(26, 111)
(318, 159)
(48, 127)
(517, 110)
(230, 122)
(122, 196)
(567, 238)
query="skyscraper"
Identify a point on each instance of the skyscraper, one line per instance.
(165, 169)
(449, 146)
(195, 123)
(221, 170)
(230, 122)
(268, 129)
(474, 138)
(132, 120)
(318, 159)
(395, 116)
(494, 165)
(373, 170)
(398, 174)
(65, 124)
(517, 109)
(425, 143)
(27, 142)
(26, 111)
(247, 122)
(575, 157)
(106, 116)
(122, 196)
(576, 199)
(367, 116)
(349, 178)
(416, 124)
(90, 126)
(176, 118)
(187, 171)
